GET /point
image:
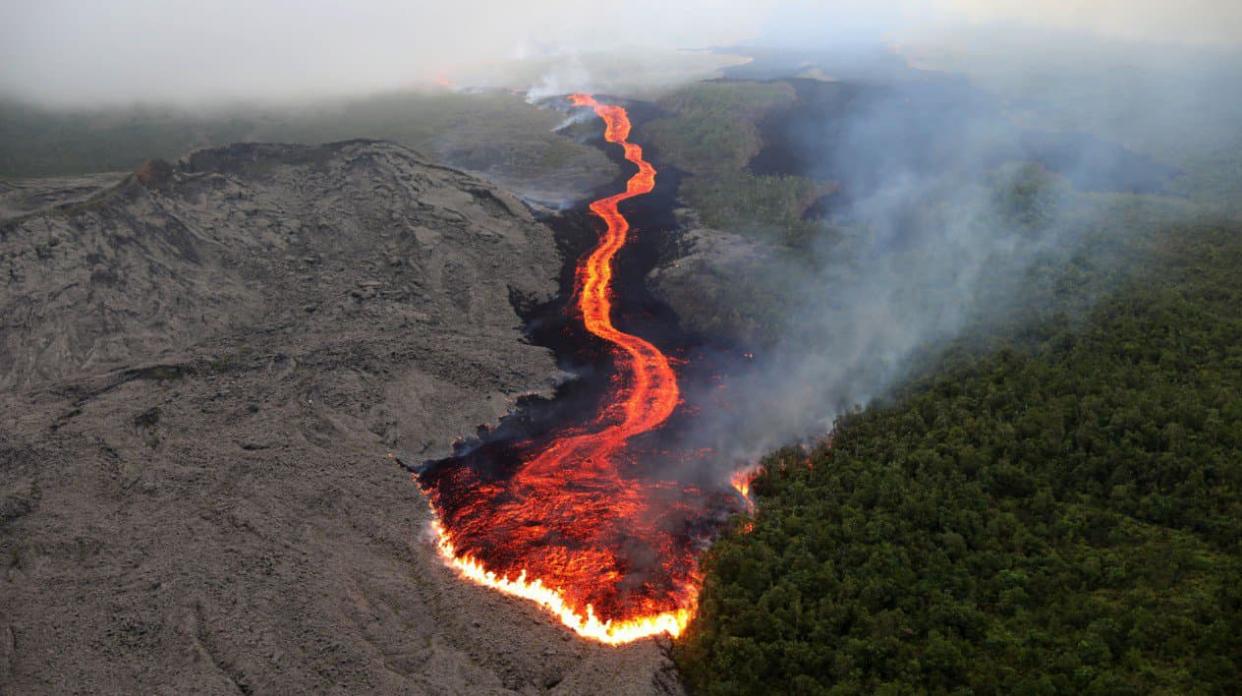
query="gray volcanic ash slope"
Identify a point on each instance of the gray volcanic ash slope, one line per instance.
(317, 241)
(21, 196)
(201, 369)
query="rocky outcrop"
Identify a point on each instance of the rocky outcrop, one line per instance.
(24, 196)
(724, 284)
(203, 370)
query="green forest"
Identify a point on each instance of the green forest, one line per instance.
(1054, 508)
(710, 132)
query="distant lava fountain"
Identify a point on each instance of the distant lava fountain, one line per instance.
(576, 523)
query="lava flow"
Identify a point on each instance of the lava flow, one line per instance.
(573, 523)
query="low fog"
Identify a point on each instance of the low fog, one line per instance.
(73, 53)
(928, 253)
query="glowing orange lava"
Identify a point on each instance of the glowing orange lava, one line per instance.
(649, 394)
(612, 555)
(610, 631)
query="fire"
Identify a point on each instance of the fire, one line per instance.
(589, 626)
(572, 527)
(741, 480)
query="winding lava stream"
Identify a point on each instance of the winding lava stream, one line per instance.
(606, 553)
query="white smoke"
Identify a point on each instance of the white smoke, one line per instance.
(565, 76)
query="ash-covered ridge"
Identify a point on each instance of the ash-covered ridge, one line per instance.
(201, 369)
(310, 240)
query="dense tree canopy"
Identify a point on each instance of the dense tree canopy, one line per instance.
(1060, 513)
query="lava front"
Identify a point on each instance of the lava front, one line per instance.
(578, 523)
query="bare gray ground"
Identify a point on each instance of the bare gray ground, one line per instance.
(202, 371)
(20, 196)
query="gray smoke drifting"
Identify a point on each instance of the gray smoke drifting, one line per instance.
(893, 289)
(956, 200)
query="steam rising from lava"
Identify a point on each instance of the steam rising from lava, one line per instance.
(575, 526)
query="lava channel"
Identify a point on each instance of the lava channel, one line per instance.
(576, 526)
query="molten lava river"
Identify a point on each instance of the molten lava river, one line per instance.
(581, 522)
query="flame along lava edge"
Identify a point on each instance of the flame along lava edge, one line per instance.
(596, 308)
(550, 599)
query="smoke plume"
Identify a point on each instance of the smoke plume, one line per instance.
(964, 185)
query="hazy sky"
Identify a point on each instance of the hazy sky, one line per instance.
(1174, 21)
(87, 52)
